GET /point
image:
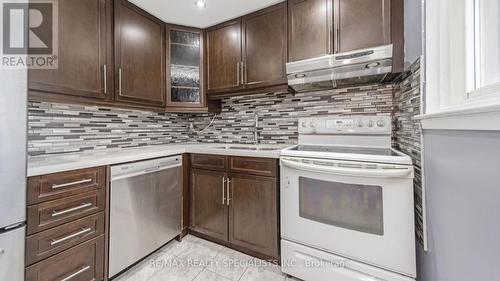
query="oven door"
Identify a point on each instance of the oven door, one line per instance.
(362, 211)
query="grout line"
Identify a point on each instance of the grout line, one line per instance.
(245, 271)
(198, 273)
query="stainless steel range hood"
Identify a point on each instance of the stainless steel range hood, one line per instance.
(373, 65)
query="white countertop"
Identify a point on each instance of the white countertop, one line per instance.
(41, 165)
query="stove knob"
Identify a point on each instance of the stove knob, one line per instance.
(360, 123)
(304, 124)
(312, 124)
(380, 123)
(370, 123)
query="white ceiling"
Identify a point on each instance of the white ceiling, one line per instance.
(184, 12)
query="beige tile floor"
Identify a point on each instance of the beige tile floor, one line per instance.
(195, 259)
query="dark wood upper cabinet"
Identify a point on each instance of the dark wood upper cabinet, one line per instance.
(139, 56)
(185, 83)
(265, 47)
(253, 213)
(208, 209)
(310, 28)
(85, 63)
(320, 27)
(249, 53)
(223, 49)
(362, 24)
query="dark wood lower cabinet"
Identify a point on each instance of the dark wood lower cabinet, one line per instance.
(57, 212)
(253, 214)
(84, 262)
(208, 210)
(237, 206)
(47, 243)
(67, 226)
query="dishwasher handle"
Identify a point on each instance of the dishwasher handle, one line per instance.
(144, 167)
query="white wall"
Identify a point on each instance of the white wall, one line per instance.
(462, 175)
(413, 31)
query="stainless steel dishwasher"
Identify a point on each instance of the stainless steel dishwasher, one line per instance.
(145, 209)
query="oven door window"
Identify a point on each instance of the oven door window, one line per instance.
(351, 206)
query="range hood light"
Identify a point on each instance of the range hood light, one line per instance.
(372, 65)
(200, 3)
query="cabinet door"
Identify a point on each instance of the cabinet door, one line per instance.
(265, 47)
(310, 28)
(208, 208)
(139, 56)
(84, 52)
(184, 67)
(253, 213)
(224, 57)
(362, 24)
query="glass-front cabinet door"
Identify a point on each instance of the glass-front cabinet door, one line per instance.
(184, 71)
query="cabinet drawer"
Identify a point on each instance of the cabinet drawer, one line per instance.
(254, 166)
(54, 213)
(207, 161)
(60, 185)
(84, 262)
(50, 242)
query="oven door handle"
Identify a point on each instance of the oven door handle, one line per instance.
(400, 172)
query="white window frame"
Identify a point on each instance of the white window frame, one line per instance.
(451, 98)
(475, 38)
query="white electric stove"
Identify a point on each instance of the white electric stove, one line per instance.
(347, 202)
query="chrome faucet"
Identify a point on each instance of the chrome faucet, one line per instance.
(255, 131)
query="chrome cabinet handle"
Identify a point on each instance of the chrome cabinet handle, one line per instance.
(228, 190)
(57, 241)
(223, 190)
(238, 74)
(73, 275)
(105, 73)
(82, 206)
(330, 51)
(56, 186)
(244, 72)
(120, 81)
(338, 40)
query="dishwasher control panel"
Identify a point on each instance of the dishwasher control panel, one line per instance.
(144, 167)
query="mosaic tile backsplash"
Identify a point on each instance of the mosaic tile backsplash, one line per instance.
(62, 128)
(278, 113)
(408, 134)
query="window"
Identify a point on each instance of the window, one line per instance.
(462, 54)
(486, 48)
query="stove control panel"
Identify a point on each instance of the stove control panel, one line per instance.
(343, 125)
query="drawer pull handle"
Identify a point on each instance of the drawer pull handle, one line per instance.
(73, 275)
(83, 206)
(57, 241)
(56, 186)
